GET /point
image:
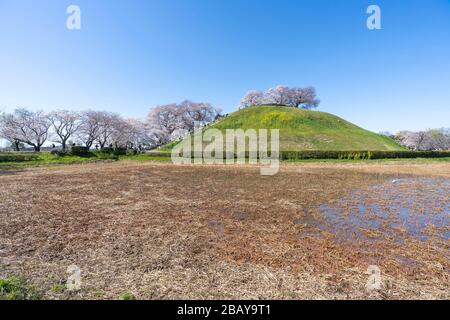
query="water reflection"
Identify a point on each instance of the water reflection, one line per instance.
(419, 207)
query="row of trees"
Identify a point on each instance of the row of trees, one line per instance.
(35, 128)
(433, 139)
(281, 95)
(102, 129)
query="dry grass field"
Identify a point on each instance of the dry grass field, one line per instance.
(162, 231)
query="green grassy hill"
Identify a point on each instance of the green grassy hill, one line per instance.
(307, 130)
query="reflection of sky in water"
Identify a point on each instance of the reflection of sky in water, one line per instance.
(411, 204)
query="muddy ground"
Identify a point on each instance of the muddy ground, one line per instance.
(162, 231)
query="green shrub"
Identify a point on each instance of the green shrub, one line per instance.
(120, 151)
(107, 150)
(14, 288)
(18, 157)
(127, 296)
(59, 153)
(80, 151)
(114, 151)
(132, 152)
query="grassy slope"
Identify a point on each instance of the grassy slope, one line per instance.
(307, 130)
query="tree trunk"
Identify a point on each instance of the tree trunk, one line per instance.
(17, 146)
(37, 148)
(63, 143)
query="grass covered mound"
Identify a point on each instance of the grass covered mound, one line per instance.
(307, 130)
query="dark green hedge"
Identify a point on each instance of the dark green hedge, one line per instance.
(350, 155)
(80, 151)
(120, 151)
(107, 150)
(356, 155)
(114, 151)
(159, 154)
(18, 157)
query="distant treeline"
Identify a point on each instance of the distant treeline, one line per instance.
(432, 139)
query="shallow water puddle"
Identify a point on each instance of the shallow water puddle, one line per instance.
(417, 207)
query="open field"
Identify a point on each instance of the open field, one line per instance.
(161, 231)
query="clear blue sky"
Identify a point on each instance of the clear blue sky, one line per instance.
(132, 55)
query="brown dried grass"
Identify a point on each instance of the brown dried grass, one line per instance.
(208, 232)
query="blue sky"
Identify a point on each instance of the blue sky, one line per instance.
(132, 55)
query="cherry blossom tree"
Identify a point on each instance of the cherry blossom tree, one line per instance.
(9, 131)
(168, 121)
(108, 123)
(64, 124)
(29, 127)
(89, 130)
(252, 98)
(304, 98)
